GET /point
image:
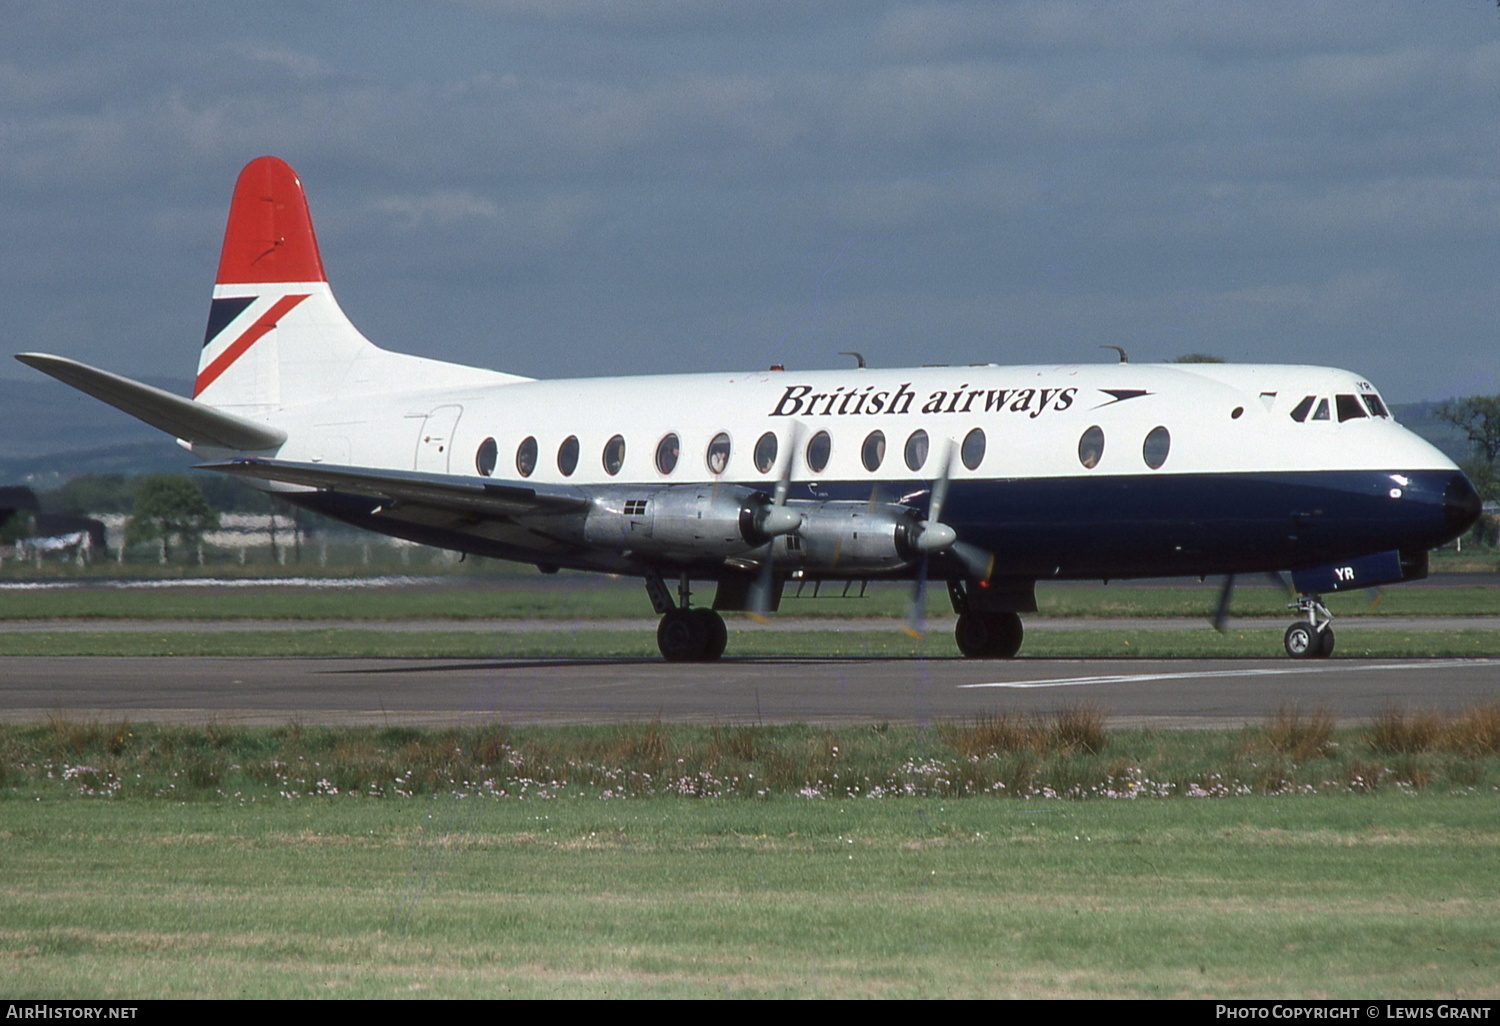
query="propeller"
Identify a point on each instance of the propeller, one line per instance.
(1226, 592)
(773, 521)
(1221, 611)
(933, 536)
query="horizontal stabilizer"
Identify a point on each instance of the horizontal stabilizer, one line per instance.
(182, 418)
(405, 487)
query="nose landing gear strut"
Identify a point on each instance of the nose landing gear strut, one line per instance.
(1311, 638)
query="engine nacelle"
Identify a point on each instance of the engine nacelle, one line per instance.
(850, 538)
(681, 523)
(687, 524)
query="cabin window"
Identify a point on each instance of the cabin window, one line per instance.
(916, 449)
(1301, 410)
(765, 452)
(526, 457)
(972, 451)
(1158, 445)
(718, 453)
(872, 453)
(1348, 408)
(1376, 407)
(1091, 447)
(614, 455)
(1321, 411)
(667, 451)
(567, 455)
(484, 459)
(818, 449)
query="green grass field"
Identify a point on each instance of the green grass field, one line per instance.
(1293, 859)
(1344, 897)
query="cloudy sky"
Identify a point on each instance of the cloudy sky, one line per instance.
(580, 187)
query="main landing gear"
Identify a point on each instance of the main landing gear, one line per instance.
(685, 635)
(1311, 638)
(988, 633)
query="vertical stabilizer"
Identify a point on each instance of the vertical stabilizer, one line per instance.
(276, 337)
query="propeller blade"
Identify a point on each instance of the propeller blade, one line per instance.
(916, 617)
(978, 563)
(932, 536)
(1221, 611)
(776, 519)
(940, 486)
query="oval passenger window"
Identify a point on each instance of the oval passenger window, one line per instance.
(972, 451)
(818, 449)
(484, 459)
(526, 457)
(667, 451)
(1158, 445)
(1091, 447)
(614, 455)
(567, 455)
(916, 449)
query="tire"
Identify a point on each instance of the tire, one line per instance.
(715, 634)
(988, 635)
(1325, 648)
(973, 635)
(681, 637)
(1303, 641)
(1009, 634)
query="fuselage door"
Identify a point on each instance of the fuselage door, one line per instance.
(435, 440)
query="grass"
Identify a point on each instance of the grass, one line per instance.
(1068, 753)
(1338, 897)
(591, 642)
(589, 598)
(160, 861)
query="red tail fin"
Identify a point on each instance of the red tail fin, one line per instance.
(270, 235)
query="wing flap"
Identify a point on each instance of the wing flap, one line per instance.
(398, 487)
(178, 417)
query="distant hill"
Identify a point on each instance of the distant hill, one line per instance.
(49, 433)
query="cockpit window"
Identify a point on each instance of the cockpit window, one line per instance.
(1300, 411)
(1376, 407)
(1321, 412)
(1348, 408)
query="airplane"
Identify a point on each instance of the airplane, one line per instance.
(988, 478)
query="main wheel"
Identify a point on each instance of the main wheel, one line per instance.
(1304, 641)
(681, 636)
(988, 635)
(715, 634)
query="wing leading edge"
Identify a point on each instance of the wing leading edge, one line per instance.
(444, 492)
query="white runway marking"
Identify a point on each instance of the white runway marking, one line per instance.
(1268, 671)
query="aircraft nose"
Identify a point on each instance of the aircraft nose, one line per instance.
(1461, 505)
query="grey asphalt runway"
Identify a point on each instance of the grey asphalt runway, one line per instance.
(1167, 693)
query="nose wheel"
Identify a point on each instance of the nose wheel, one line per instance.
(1311, 638)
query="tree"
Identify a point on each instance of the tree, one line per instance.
(1198, 358)
(1478, 417)
(167, 506)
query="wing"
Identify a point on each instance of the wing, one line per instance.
(404, 489)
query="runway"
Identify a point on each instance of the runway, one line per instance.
(445, 692)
